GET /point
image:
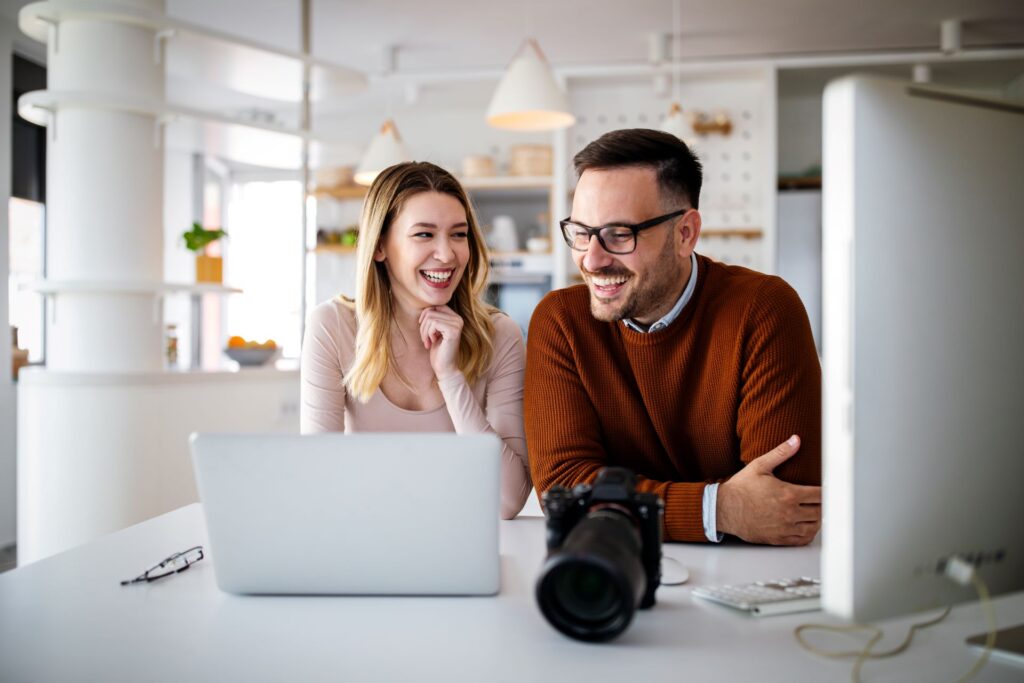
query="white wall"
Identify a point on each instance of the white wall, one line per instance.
(799, 132)
(121, 454)
(7, 394)
(800, 250)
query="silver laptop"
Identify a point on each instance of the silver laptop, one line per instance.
(359, 514)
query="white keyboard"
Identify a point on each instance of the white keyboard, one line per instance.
(765, 598)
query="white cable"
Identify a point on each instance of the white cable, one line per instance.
(957, 570)
(963, 572)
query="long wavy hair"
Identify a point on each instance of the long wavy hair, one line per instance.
(374, 357)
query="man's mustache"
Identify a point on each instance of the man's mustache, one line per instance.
(608, 272)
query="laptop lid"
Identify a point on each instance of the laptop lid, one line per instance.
(358, 514)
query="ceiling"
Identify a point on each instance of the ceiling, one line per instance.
(467, 43)
(452, 35)
(441, 35)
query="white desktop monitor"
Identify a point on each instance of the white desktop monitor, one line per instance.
(923, 341)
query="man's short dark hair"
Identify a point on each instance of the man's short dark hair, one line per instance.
(678, 169)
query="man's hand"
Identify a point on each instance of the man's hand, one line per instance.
(756, 506)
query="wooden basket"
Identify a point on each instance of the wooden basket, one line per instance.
(531, 160)
(477, 166)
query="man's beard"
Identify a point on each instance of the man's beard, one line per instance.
(600, 309)
(647, 295)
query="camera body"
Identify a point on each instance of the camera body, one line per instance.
(614, 490)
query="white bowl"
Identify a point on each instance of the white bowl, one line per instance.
(538, 245)
(251, 357)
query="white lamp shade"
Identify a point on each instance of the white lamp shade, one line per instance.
(386, 149)
(675, 123)
(528, 98)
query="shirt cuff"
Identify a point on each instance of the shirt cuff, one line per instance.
(710, 517)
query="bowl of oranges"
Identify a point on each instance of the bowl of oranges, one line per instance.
(251, 353)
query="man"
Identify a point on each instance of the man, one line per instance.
(700, 377)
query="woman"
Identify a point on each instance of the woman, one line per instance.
(418, 349)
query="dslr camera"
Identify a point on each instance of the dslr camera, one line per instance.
(604, 555)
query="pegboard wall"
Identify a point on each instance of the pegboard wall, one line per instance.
(737, 198)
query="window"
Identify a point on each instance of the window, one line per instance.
(27, 216)
(27, 256)
(264, 258)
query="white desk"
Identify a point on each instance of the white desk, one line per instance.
(66, 618)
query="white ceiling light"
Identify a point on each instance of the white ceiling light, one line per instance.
(386, 149)
(528, 98)
(675, 123)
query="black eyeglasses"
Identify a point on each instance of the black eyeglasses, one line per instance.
(178, 562)
(616, 238)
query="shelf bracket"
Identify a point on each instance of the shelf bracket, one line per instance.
(159, 43)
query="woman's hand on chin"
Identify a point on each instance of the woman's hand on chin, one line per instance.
(441, 330)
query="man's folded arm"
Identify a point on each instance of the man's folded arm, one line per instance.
(781, 384)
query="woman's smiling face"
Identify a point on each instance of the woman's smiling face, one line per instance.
(426, 250)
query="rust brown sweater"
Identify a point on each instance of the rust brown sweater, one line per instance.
(731, 378)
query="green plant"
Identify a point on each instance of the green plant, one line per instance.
(199, 237)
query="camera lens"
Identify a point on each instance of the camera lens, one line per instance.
(587, 593)
(590, 587)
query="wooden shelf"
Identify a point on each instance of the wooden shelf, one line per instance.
(516, 254)
(333, 249)
(340, 192)
(742, 233)
(507, 182)
(800, 183)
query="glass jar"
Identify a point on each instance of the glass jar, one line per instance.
(171, 346)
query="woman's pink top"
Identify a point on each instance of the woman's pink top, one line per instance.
(492, 405)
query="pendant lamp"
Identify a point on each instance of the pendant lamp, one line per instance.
(386, 149)
(528, 98)
(675, 123)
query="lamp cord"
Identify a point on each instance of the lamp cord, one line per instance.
(677, 49)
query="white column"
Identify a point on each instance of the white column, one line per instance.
(105, 192)
(87, 463)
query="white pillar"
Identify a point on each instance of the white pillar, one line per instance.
(105, 264)
(105, 182)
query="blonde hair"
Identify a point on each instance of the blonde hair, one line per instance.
(374, 357)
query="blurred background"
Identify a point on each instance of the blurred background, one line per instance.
(129, 126)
